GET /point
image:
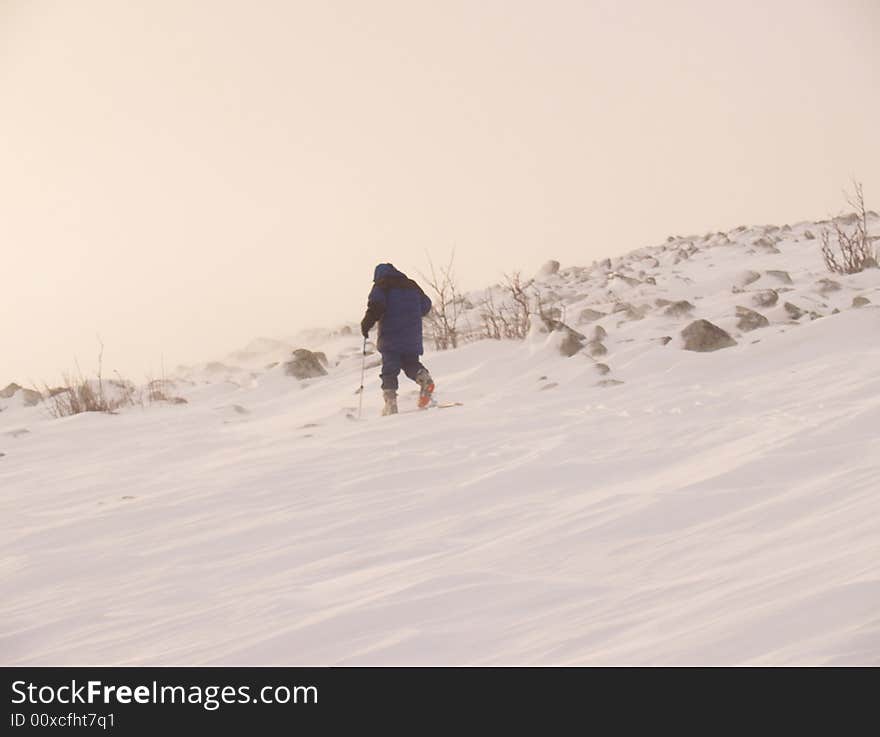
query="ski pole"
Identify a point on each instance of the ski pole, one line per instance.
(363, 372)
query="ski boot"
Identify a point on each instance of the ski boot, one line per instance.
(426, 384)
(390, 407)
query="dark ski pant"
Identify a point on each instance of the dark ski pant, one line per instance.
(393, 362)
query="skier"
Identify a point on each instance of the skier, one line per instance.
(398, 304)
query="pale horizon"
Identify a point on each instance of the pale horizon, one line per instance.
(182, 177)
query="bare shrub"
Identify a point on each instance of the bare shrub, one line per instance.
(493, 321)
(521, 304)
(79, 394)
(160, 390)
(448, 305)
(849, 251)
(510, 314)
(499, 319)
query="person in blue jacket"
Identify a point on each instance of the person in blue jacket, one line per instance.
(398, 304)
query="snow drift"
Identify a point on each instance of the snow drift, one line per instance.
(642, 504)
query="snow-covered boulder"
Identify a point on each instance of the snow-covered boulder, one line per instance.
(749, 319)
(28, 397)
(589, 315)
(765, 298)
(780, 275)
(703, 336)
(305, 365)
(744, 278)
(549, 268)
(630, 312)
(794, 312)
(571, 343)
(828, 285)
(597, 333)
(679, 309)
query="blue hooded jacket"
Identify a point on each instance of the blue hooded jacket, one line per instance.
(398, 304)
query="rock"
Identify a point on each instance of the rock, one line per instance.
(745, 278)
(794, 312)
(596, 348)
(549, 268)
(703, 336)
(828, 285)
(9, 390)
(597, 333)
(588, 315)
(808, 235)
(679, 309)
(571, 344)
(602, 368)
(650, 280)
(629, 311)
(30, 397)
(610, 382)
(628, 280)
(749, 319)
(765, 298)
(664, 340)
(860, 301)
(765, 245)
(304, 365)
(660, 302)
(782, 276)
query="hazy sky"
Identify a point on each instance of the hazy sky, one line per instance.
(180, 177)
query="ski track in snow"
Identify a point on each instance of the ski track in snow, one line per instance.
(719, 508)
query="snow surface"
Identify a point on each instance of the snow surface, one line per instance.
(712, 508)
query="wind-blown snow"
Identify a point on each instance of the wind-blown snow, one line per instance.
(712, 508)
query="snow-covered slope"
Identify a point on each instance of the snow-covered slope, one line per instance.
(666, 506)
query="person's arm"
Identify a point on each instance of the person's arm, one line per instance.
(375, 310)
(426, 304)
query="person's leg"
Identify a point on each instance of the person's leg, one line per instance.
(390, 369)
(391, 363)
(414, 369)
(412, 366)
